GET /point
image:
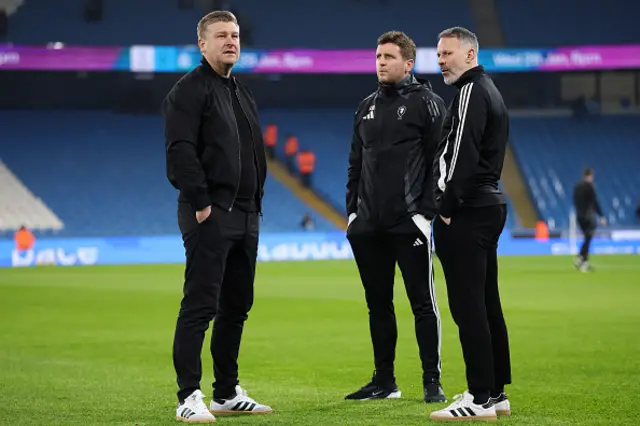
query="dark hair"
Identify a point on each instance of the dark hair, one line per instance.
(403, 41)
(588, 171)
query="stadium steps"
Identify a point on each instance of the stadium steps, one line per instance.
(516, 189)
(19, 206)
(488, 25)
(279, 172)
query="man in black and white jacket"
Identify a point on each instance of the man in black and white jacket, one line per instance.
(390, 205)
(472, 214)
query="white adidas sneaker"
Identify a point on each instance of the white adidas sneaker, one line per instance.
(239, 404)
(194, 410)
(502, 404)
(463, 409)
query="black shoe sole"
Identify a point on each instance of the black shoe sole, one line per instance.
(437, 398)
(396, 394)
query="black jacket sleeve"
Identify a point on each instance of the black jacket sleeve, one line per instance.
(182, 109)
(472, 117)
(435, 113)
(355, 168)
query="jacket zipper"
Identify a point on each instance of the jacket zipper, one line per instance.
(253, 146)
(378, 120)
(233, 200)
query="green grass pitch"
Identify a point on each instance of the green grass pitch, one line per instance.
(92, 345)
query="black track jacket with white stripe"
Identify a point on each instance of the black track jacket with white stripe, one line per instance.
(395, 135)
(469, 159)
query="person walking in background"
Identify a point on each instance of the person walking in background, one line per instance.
(585, 202)
(216, 158)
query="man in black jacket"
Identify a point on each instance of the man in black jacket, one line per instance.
(216, 159)
(472, 214)
(585, 202)
(390, 206)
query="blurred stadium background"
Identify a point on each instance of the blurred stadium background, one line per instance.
(82, 166)
(81, 149)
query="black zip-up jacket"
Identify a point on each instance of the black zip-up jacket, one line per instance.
(202, 138)
(396, 131)
(586, 202)
(471, 153)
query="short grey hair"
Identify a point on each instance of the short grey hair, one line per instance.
(462, 34)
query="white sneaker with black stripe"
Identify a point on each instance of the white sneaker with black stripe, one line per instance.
(194, 410)
(463, 409)
(239, 404)
(503, 406)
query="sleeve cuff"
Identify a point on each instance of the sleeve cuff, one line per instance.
(446, 210)
(201, 201)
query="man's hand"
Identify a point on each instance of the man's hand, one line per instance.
(603, 221)
(202, 215)
(446, 220)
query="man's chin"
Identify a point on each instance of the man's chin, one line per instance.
(229, 60)
(449, 80)
(385, 79)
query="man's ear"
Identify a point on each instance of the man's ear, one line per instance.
(408, 65)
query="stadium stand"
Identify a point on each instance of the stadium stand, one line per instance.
(124, 23)
(552, 153)
(104, 174)
(568, 22)
(328, 134)
(354, 24)
(20, 207)
(93, 194)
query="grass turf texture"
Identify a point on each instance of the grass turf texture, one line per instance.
(92, 345)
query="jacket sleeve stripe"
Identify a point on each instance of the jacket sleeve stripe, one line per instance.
(463, 105)
(442, 163)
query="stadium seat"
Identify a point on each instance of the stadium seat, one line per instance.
(104, 174)
(328, 134)
(354, 25)
(19, 206)
(544, 23)
(552, 153)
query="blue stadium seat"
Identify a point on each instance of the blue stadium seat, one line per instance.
(328, 134)
(340, 24)
(104, 173)
(544, 23)
(353, 24)
(552, 153)
(124, 23)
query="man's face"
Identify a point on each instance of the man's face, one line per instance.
(454, 58)
(390, 66)
(221, 44)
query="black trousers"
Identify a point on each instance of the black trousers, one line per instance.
(376, 253)
(221, 257)
(588, 227)
(467, 250)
